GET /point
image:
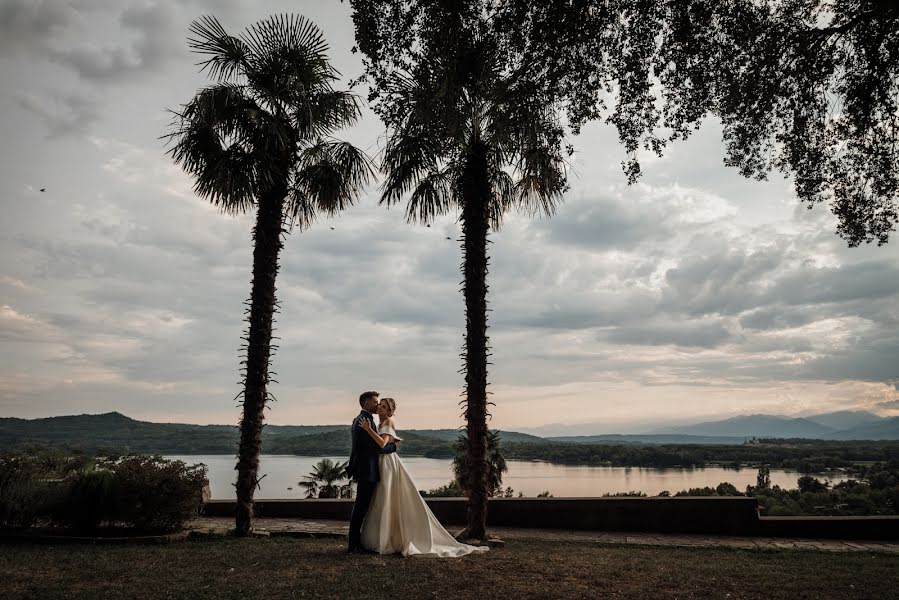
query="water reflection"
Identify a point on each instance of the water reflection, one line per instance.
(282, 472)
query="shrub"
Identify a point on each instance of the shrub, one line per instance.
(147, 493)
(157, 495)
(808, 484)
(780, 511)
(727, 489)
(703, 491)
(22, 483)
(86, 501)
(450, 490)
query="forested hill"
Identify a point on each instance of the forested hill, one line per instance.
(116, 432)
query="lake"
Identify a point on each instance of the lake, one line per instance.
(529, 477)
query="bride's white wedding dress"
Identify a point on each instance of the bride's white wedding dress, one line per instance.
(399, 520)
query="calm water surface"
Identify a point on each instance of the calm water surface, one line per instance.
(283, 472)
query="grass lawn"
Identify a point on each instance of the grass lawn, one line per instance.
(303, 568)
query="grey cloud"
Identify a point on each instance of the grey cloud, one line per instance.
(28, 25)
(157, 39)
(687, 334)
(63, 114)
(38, 26)
(604, 224)
(558, 310)
(793, 344)
(776, 317)
(395, 274)
(868, 281)
(867, 359)
(418, 305)
(724, 282)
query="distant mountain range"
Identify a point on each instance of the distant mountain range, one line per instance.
(115, 431)
(664, 438)
(842, 425)
(755, 426)
(845, 419)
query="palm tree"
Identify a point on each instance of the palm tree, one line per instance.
(465, 134)
(325, 480)
(258, 138)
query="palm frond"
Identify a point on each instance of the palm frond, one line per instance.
(542, 179)
(315, 115)
(285, 32)
(222, 138)
(408, 159)
(503, 194)
(228, 55)
(433, 196)
(311, 488)
(289, 61)
(225, 177)
(329, 177)
(238, 118)
(229, 182)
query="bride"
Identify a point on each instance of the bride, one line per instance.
(399, 520)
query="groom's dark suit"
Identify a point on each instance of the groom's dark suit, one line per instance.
(363, 468)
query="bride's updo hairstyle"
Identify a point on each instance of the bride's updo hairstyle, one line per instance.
(391, 405)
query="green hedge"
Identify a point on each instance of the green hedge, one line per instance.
(143, 493)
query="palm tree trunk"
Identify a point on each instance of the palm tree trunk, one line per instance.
(475, 190)
(267, 238)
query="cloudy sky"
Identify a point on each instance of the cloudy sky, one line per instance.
(695, 294)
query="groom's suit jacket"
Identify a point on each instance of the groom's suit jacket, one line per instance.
(363, 465)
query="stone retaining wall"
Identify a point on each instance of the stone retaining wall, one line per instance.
(710, 515)
(838, 528)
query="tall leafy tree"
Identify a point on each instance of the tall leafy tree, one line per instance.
(809, 88)
(466, 133)
(258, 139)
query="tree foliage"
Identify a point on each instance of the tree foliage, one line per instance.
(805, 87)
(440, 80)
(266, 121)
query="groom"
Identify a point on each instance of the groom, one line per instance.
(363, 467)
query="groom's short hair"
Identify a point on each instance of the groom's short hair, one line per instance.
(366, 395)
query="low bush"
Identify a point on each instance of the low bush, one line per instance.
(22, 481)
(145, 493)
(86, 499)
(155, 494)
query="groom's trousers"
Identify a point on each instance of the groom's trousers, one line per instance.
(364, 492)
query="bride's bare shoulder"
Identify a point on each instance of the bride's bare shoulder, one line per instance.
(390, 423)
